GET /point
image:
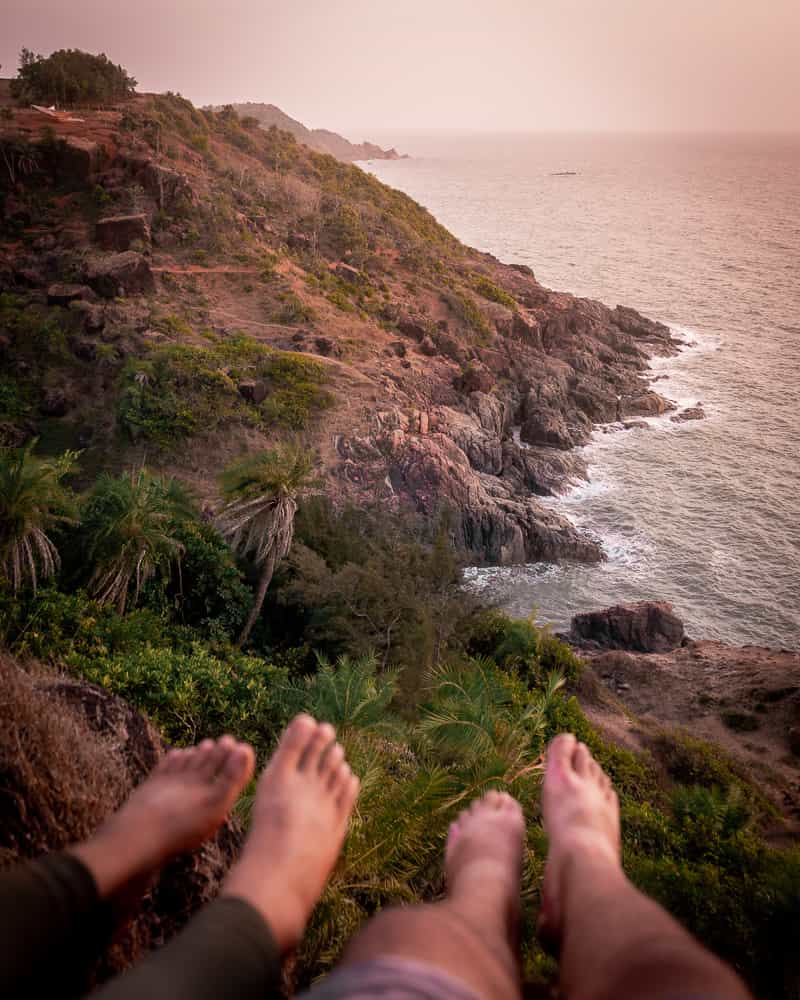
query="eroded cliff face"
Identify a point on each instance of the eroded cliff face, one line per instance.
(458, 383)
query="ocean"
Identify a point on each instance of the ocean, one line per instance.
(702, 233)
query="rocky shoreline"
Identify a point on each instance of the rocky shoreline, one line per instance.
(645, 673)
(461, 384)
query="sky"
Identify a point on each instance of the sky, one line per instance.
(505, 65)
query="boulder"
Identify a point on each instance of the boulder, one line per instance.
(63, 295)
(94, 749)
(166, 186)
(120, 274)
(547, 427)
(326, 346)
(117, 232)
(411, 328)
(648, 404)
(254, 391)
(644, 627)
(690, 413)
(78, 159)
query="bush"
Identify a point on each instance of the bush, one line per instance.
(208, 593)
(192, 694)
(70, 76)
(489, 290)
(176, 392)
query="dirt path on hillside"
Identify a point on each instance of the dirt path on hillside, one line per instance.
(197, 269)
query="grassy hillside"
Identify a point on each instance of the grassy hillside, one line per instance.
(182, 289)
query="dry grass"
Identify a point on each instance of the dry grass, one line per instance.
(70, 753)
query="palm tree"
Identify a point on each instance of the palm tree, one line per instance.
(33, 500)
(258, 518)
(130, 523)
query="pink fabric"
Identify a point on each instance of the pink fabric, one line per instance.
(390, 979)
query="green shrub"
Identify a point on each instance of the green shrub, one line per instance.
(70, 76)
(193, 694)
(467, 311)
(489, 290)
(177, 391)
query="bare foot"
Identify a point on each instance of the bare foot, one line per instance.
(178, 806)
(581, 817)
(483, 860)
(303, 803)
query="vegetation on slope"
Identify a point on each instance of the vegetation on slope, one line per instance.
(365, 622)
(435, 699)
(70, 77)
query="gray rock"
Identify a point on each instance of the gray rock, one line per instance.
(120, 274)
(645, 627)
(119, 231)
(690, 413)
(63, 295)
(254, 391)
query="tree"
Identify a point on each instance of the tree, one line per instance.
(70, 76)
(258, 518)
(130, 526)
(33, 500)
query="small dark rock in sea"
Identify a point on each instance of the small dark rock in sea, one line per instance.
(634, 425)
(691, 413)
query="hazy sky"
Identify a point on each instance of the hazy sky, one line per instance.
(353, 65)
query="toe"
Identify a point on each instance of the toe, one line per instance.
(348, 794)
(493, 799)
(331, 761)
(582, 760)
(186, 761)
(293, 742)
(238, 766)
(201, 755)
(319, 742)
(559, 753)
(214, 760)
(171, 763)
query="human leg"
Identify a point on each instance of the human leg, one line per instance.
(471, 936)
(235, 945)
(615, 942)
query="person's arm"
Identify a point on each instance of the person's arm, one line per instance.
(53, 926)
(227, 950)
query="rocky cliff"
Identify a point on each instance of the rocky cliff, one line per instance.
(140, 246)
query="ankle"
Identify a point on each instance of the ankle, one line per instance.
(589, 868)
(283, 913)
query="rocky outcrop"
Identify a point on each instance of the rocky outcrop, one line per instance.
(690, 413)
(646, 627)
(63, 295)
(94, 749)
(120, 274)
(492, 522)
(744, 699)
(117, 232)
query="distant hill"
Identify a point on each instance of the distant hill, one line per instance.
(318, 138)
